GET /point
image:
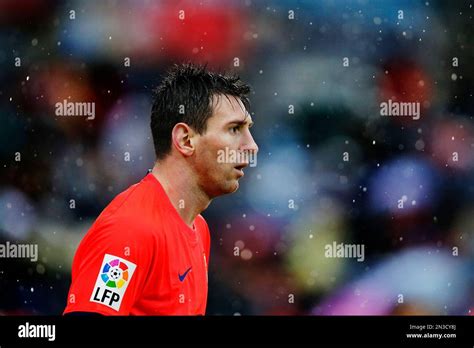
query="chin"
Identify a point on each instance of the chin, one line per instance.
(232, 187)
(223, 189)
(236, 187)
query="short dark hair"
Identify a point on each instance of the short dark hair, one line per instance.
(186, 95)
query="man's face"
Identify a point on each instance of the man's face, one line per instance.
(225, 148)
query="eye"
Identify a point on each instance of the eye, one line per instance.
(235, 129)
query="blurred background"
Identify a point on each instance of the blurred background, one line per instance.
(330, 167)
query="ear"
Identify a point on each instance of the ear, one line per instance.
(182, 137)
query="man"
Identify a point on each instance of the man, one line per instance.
(148, 251)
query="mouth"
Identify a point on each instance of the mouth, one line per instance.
(240, 169)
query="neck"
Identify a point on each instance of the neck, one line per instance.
(182, 189)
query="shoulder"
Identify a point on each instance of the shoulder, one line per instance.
(122, 234)
(129, 215)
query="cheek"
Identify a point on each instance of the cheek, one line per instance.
(208, 154)
(206, 158)
(208, 148)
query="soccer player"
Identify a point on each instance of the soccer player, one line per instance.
(148, 251)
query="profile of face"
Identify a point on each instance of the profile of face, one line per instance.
(225, 148)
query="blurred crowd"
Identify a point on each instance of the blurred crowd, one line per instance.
(330, 167)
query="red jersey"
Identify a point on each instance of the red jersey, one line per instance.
(140, 258)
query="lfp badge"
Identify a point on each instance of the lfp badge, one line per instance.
(114, 276)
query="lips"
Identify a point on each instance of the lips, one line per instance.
(239, 168)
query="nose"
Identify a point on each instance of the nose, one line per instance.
(250, 145)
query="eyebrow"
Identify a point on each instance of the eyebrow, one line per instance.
(241, 122)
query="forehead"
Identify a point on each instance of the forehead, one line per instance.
(227, 108)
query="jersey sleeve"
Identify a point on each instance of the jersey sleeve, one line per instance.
(110, 268)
